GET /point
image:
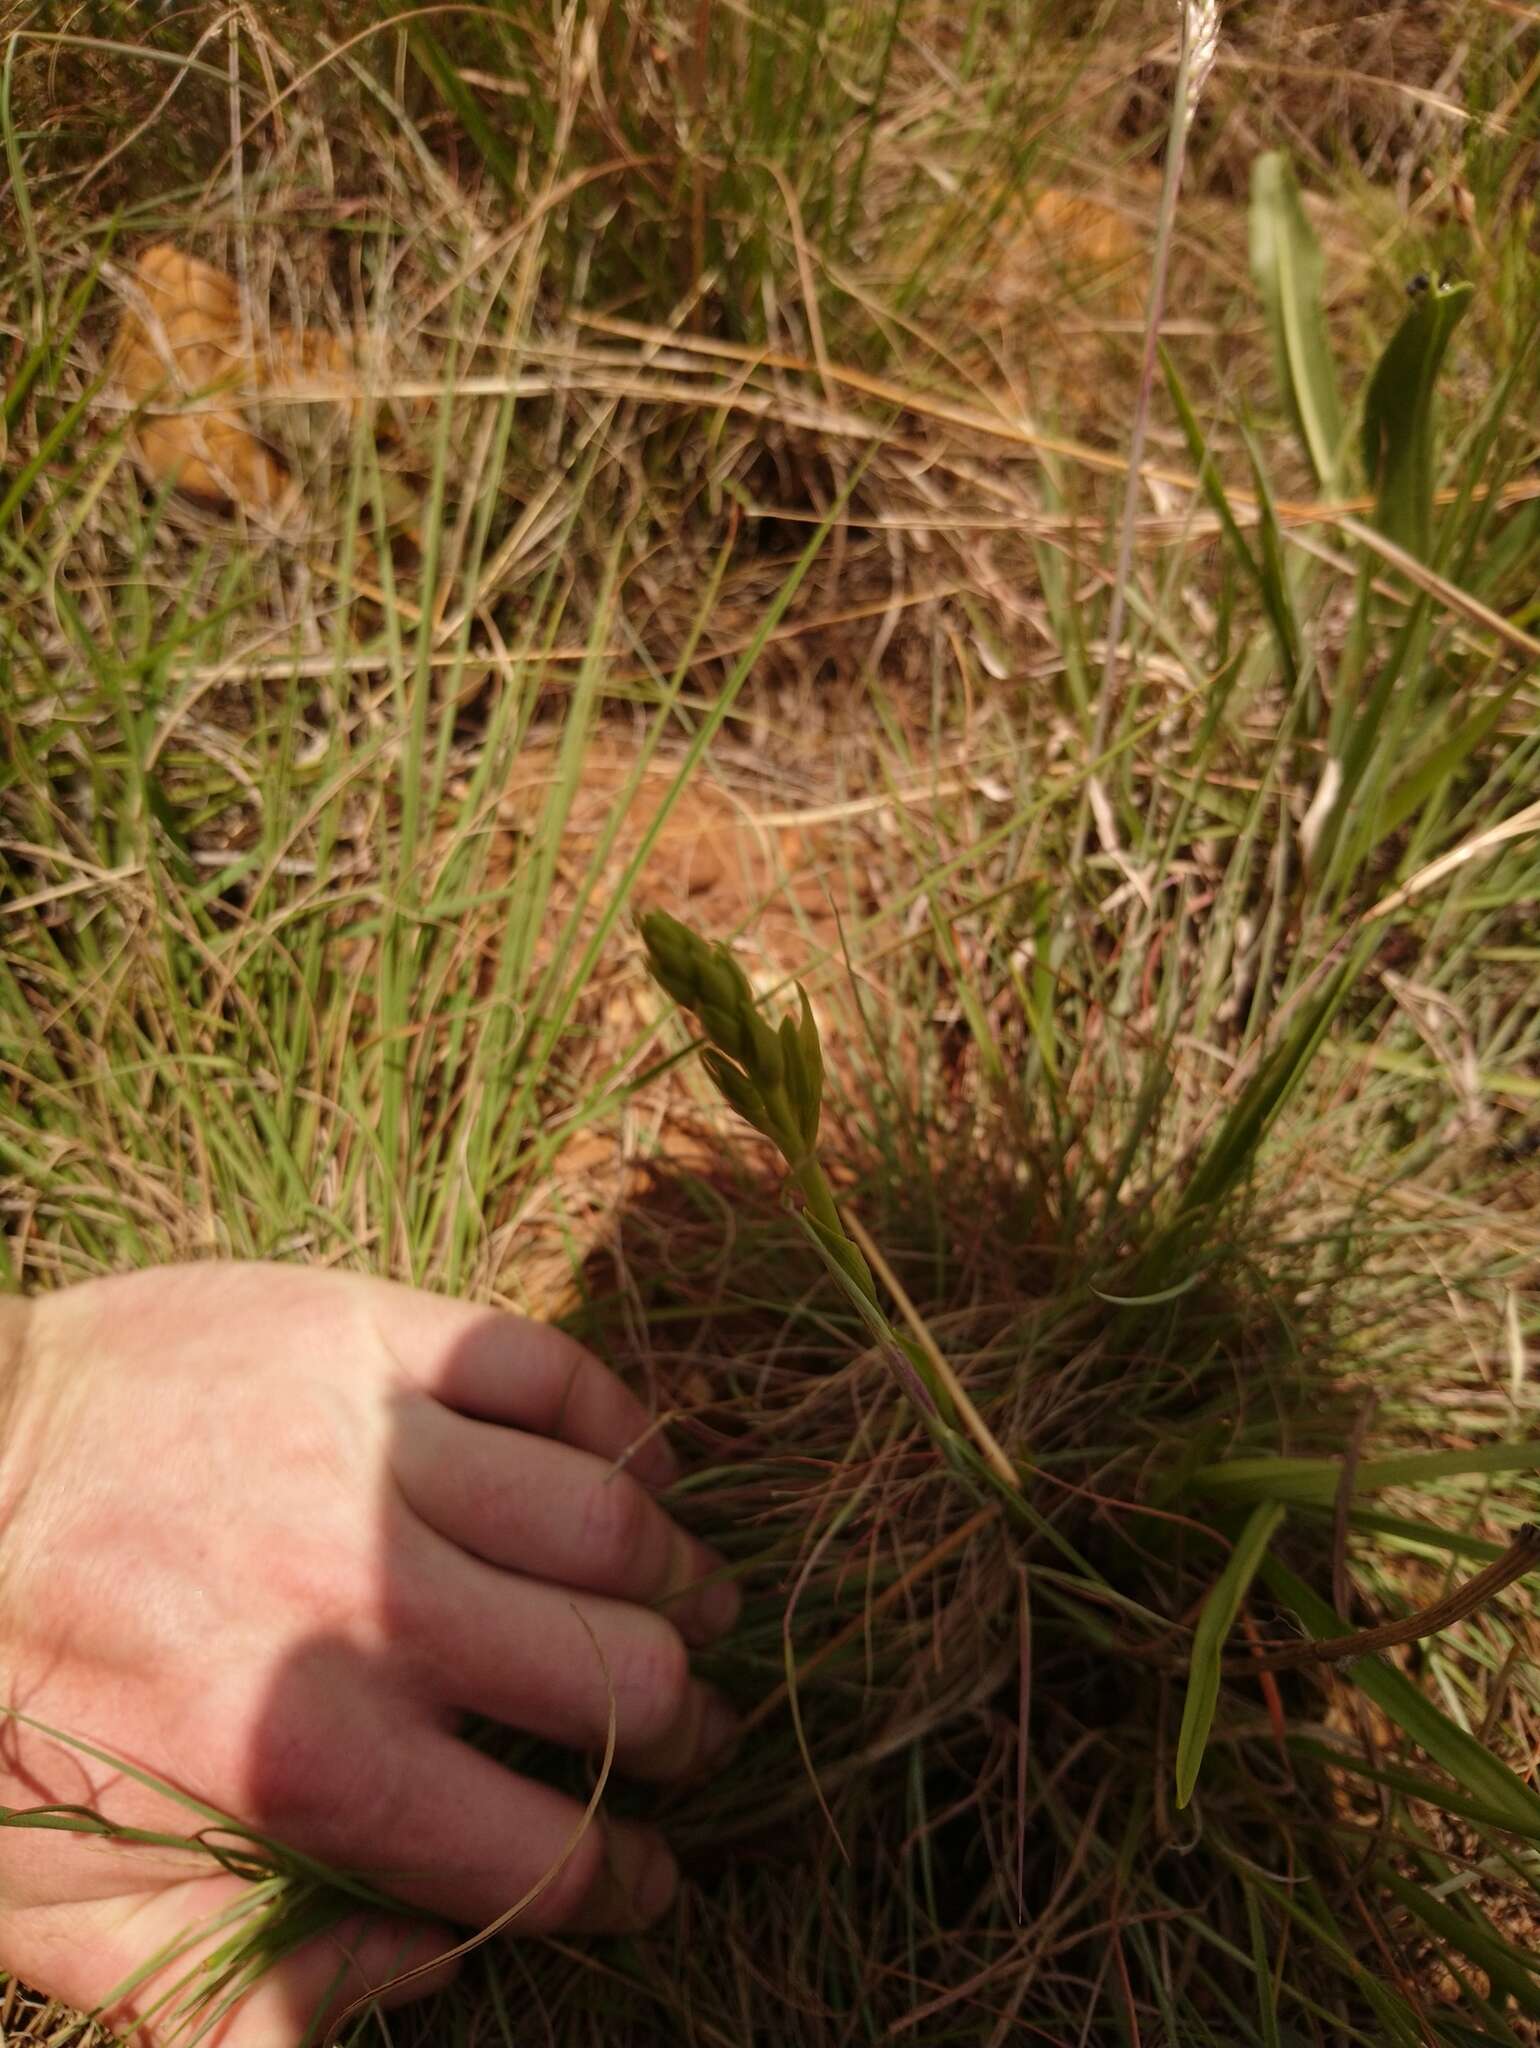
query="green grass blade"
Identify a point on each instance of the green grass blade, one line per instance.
(1267, 2004)
(1263, 575)
(1234, 1145)
(1442, 763)
(463, 103)
(1219, 1612)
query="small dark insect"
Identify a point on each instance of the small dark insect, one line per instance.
(1416, 286)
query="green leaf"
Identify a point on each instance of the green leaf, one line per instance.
(845, 1255)
(736, 1088)
(1263, 1966)
(796, 1074)
(1315, 1480)
(1411, 1784)
(1479, 1774)
(812, 1063)
(1398, 446)
(767, 1062)
(1214, 1625)
(466, 108)
(1286, 264)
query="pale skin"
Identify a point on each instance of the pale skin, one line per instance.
(270, 1534)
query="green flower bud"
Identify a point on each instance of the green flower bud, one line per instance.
(765, 1062)
(737, 1089)
(730, 1030)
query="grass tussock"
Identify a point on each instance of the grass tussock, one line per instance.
(728, 506)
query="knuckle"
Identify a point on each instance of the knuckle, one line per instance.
(653, 1684)
(564, 1896)
(616, 1523)
(324, 1795)
(568, 1371)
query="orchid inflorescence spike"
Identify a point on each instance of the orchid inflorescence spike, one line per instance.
(772, 1078)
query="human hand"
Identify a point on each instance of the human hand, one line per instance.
(266, 1533)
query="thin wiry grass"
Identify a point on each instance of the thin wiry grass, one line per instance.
(1179, 1154)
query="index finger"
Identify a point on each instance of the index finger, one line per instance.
(506, 1368)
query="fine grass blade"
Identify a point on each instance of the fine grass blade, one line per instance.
(1286, 264)
(1264, 574)
(1219, 1612)
(1262, 1963)
(1398, 442)
(466, 108)
(1235, 1144)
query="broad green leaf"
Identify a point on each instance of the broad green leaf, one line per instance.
(1398, 415)
(1412, 1784)
(1214, 1625)
(1474, 1769)
(1286, 264)
(1509, 1970)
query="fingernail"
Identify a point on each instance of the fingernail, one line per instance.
(719, 1730)
(660, 1881)
(648, 1873)
(636, 1885)
(720, 1605)
(655, 1462)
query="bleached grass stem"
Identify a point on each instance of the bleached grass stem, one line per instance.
(1200, 42)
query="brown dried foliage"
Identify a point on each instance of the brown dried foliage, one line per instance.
(185, 341)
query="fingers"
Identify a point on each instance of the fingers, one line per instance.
(549, 1661)
(551, 1512)
(505, 1368)
(451, 1832)
(310, 1990)
(85, 1952)
(469, 1839)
